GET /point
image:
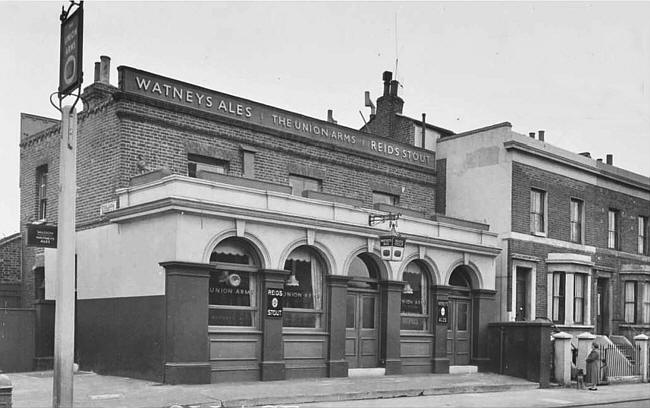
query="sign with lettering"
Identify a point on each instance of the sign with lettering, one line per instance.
(39, 235)
(391, 247)
(71, 53)
(227, 106)
(443, 312)
(274, 302)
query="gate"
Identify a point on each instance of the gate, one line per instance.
(621, 360)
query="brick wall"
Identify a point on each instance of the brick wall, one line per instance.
(559, 190)
(10, 258)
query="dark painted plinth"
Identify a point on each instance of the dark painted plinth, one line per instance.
(440, 365)
(393, 366)
(273, 370)
(191, 373)
(337, 368)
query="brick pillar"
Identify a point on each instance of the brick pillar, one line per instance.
(337, 292)
(562, 358)
(391, 298)
(187, 355)
(440, 296)
(484, 311)
(272, 344)
(585, 340)
(641, 342)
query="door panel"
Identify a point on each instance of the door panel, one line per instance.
(459, 331)
(361, 340)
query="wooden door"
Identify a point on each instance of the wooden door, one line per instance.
(361, 337)
(459, 331)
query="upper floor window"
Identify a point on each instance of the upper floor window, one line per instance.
(537, 211)
(379, 197)
(613, 229)
(577, 216)
(642, 235)
(196, 163)
(630, 302)
(301, 183)
(41, 192)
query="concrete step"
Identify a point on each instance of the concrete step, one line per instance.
(367, 372)
(463, 369)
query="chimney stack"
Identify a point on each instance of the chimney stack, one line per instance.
(541, 135)
(105, 70)
(387, 78)
(330, 117)
(610, 159)
(531, 134)
(393, 87)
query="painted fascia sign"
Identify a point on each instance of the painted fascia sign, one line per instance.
(71, 53)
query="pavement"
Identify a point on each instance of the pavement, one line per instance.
(34, 390)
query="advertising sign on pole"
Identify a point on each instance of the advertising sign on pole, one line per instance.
(71, 58)
(43, 236)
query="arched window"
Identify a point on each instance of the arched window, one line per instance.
(415, 298)
(460, 278)
(303, 292)
(233, 287)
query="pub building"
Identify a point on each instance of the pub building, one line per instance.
(221, 239)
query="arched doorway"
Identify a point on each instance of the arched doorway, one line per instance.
(362, 310)
(459, 323)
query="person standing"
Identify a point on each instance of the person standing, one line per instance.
(593, 367)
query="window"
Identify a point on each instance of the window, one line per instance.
(303, 292)
(300, 183)
(579, 298)
(414, 306)
(558, 297)
(612, 229)
(645, 307)
(41, 192)
(232, 289)
(630, 302)
(196, 163)
(642, 235)
(379, 197)
(577, 215)
(537, 211)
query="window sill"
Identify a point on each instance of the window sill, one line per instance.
(233, 329)
(539, 234)
(635, 325)
(574, 326)
(415, 333)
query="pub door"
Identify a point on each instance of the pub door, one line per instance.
(458, 331)
(361, 333)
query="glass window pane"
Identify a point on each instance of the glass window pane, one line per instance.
(301, 296)
(300, 319)
(413, 323)
(230, 288)
(230, 317)
(368, 317)
(461, 322)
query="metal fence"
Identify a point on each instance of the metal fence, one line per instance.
(621, 360)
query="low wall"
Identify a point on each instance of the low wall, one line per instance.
(521, 349)
(17, 340)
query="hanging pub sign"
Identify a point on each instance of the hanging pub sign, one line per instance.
(40, 235)
(443, 312)
(391, 247)
(71, 53)
(274, 302)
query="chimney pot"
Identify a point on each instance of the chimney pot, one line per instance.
(105, 70)
(393, 87)
(586, 154)
(541, 135)
(330, 116)
(610, 159)
(599, 160)
(387, 78)
(97, 70)
(531, 134)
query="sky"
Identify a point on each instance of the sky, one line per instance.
(580, 70)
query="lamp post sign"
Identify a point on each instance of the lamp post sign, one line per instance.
(70, 62)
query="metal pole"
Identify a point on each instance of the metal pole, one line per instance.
(65, 264)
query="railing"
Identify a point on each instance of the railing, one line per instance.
(621, 360)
